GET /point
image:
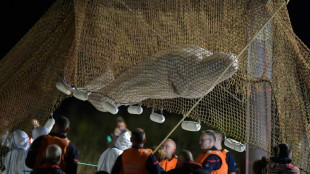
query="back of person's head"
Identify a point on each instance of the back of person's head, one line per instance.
(219, 134)
(282, 154)
(39, 131)
(260, 166)
(159, 154)
(185, 155)
(138, 136)
(62, 125)
(20, 139)
(283, 150)
(53, 152)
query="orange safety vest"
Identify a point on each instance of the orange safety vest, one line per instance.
(222, 154)
(134, 161)
(169, 165)
(48, 140)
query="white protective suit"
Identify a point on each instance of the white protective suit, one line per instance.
(39, 131)
(15, 159)
(109, 156)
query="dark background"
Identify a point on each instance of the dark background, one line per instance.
(89, 126)
(18, 16)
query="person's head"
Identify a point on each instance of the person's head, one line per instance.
(207, 140)
(185, 155)
(138, 137)
(53, 152)
(260, 166)
(282, 151)
(169, 147)
(62, 126)
(120, 123)
(219, 138)
(39, 131)
(20, 139)
(159, 154)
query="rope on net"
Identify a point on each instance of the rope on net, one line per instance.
(241, 52)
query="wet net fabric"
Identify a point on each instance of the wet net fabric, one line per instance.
(166, 55)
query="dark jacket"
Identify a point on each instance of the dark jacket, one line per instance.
(186, 168)
(71, 156)
(48, 167)
(230, 160)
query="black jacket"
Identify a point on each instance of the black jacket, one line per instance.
(48, 167)
(186, 168)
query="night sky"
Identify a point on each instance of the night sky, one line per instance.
(18, 16)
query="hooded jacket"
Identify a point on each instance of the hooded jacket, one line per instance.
(15, 159)
(109, 156)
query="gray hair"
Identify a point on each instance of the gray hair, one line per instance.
(53, 151)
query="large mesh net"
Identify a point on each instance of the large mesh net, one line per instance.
(242, 54)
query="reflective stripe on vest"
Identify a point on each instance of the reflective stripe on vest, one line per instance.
(222, 154)
(134, 161)
(169, 165)
(48, 140)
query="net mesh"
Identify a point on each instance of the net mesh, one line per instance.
(166, 55)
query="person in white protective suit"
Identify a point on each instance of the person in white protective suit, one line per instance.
(15, 159)
(39, 131)
(42, 130)
(109, 156)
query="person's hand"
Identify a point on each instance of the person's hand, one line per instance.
(35, 123)
(117, 132)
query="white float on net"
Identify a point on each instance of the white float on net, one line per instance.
(63, 88)
(80, 94)
(110, 108)
(137, 110)
(191, 126)
(234, 144)
(158, 118)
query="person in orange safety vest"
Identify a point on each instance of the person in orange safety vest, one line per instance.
(211, 159)
(230, 160)
(171, 160)
(136, 160)
(58, 136)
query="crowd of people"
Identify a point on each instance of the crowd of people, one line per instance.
(49, 151)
